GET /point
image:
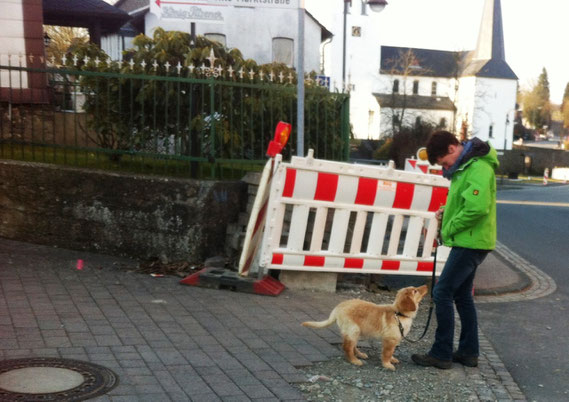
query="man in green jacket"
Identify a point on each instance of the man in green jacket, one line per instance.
(469, 227)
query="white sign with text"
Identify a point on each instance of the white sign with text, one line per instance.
(211, 11)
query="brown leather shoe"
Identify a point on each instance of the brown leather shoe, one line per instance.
(430, 361)
(468, 361)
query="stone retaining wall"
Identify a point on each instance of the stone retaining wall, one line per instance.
(539, 159)
(128, 215)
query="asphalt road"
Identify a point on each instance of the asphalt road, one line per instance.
(532, 337)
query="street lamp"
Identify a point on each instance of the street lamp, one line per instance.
(375, 6)
(506, 131)
(506, 139)
(506, 127)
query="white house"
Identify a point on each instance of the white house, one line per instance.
(263, 31)
(354, 65)
(474, 91)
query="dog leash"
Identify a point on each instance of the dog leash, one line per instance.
(431, 303)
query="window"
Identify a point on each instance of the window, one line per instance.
(415, 87)
(418, 121)
(443, 122)
(370, 119)
(395, 119)
(283, 51)
(434, 88)
(490, 131)
(396, 86)
(217, 37)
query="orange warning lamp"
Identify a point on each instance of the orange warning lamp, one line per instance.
(282, 132)
(422, 154)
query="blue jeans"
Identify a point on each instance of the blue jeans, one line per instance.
(455, 285)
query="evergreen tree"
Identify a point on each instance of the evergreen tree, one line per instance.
(565, 107)
(537, 106)
(542, 87)
(566, 93)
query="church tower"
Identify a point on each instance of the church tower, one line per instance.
(489, 58)
(488, 86)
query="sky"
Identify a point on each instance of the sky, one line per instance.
(534, 33)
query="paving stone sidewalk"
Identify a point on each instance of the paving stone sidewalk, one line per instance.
(172, 342)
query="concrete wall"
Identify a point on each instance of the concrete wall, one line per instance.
(127, 215)
(495, 100)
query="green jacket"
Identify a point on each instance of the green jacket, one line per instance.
(469, 219)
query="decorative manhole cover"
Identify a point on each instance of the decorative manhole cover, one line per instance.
(51, 379)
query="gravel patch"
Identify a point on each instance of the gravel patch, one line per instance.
(338, 380)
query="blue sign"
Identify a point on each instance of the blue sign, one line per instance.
(323, 81)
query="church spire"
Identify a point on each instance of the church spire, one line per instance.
(491, 36)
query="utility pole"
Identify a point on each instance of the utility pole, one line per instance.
(300, 83)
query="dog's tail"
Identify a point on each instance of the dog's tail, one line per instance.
(321, 324)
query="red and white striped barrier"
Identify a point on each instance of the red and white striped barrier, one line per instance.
(420, 166)
(257, 219)
(339, 217)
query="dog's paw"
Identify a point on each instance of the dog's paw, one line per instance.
(362, 355)
(357, 362)
(389, 366)
(394, 360)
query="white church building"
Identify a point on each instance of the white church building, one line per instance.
(470, 91)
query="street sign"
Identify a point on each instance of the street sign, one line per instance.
(323, 81)
(211, 11)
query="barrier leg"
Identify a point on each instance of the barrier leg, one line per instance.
(218, 278)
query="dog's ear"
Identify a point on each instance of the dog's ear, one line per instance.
(407, 303)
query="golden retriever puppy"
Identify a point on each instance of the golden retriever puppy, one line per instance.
(361, 319)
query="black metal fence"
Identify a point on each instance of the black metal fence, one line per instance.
(168, 124)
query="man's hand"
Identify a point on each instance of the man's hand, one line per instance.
(439, 217)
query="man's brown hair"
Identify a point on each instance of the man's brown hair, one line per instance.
(438, 143)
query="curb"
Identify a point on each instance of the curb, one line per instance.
(540, 285)
(534, 283)
(522, 284)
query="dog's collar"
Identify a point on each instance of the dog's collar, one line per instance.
(397, 315)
